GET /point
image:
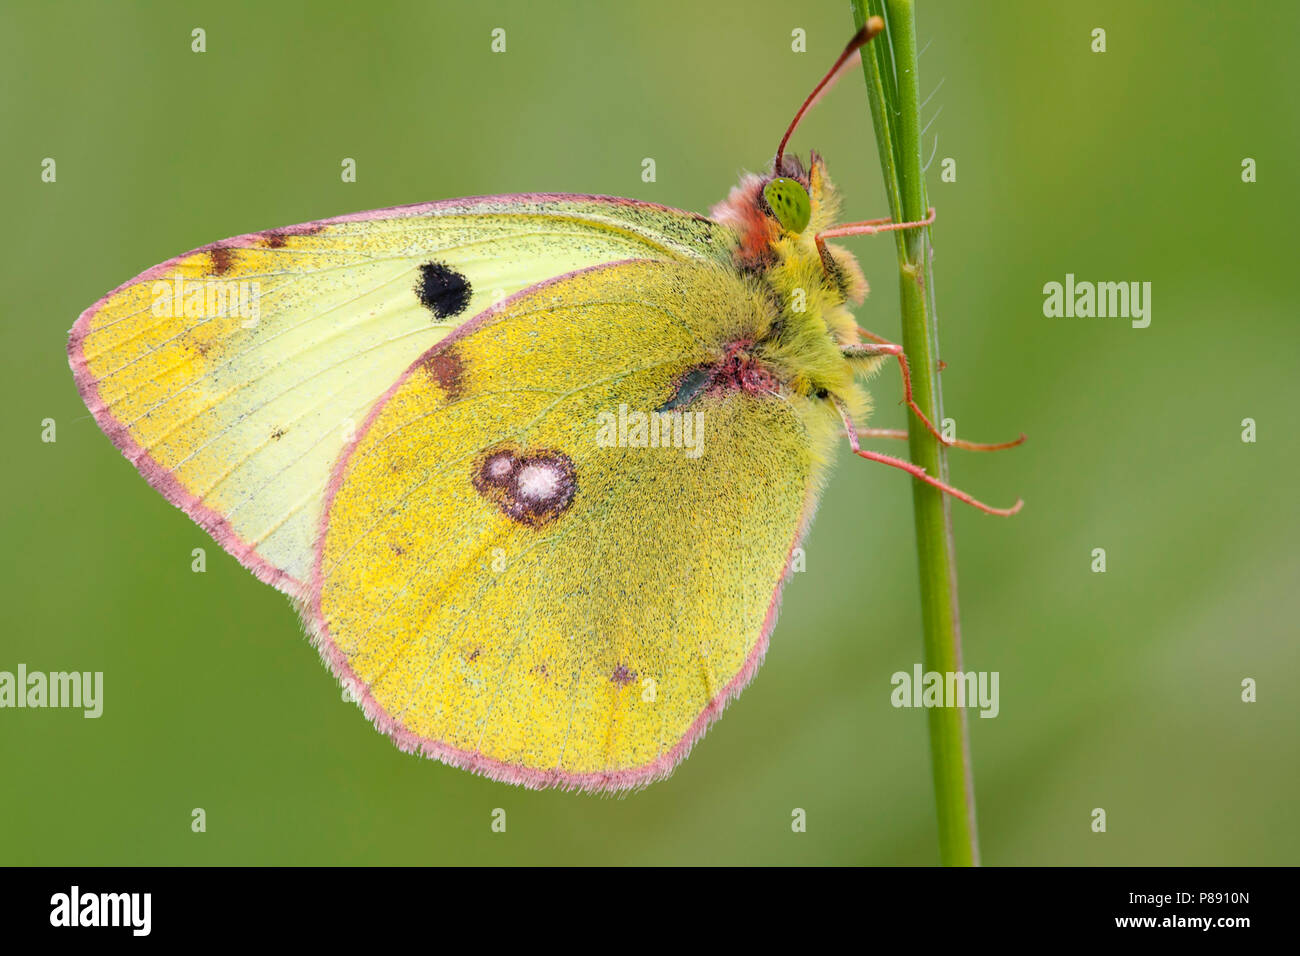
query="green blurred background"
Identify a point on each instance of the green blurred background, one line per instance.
(1118, 690)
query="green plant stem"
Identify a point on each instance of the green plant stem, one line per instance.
(890, 67)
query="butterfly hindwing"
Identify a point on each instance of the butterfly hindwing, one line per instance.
(509, 588)
(234, 376)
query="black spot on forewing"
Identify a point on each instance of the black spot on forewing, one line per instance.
(442, 290)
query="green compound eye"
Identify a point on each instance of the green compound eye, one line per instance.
(789, 201)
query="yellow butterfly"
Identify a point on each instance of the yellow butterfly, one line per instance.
(532, 467)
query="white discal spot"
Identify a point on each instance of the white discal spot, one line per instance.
(538, 482)
(499, 467)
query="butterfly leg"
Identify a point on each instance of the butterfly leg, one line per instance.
(881, 346)
(916, 471)
(868, 227)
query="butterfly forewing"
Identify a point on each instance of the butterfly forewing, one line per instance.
(234, 376)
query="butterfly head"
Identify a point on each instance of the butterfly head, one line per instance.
(777, 217)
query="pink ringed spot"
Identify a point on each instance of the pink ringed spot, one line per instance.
(532, 488)
(498, 469)
(537, 482)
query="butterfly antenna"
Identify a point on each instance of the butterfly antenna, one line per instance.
(873, 26)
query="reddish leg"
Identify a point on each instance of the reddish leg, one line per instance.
(867, 227)
(882, 347)
(870, 227)
(916, 471)
(873, 336)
